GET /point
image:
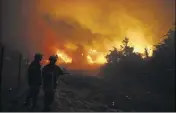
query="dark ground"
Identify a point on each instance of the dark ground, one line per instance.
(69, 97)
(85, 93)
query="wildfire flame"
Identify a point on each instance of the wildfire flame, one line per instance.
(99, 57)
(64, 57)
(89, 59)
(93, 57)
(96, 24)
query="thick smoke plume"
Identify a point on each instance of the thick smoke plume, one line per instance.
(75, 27)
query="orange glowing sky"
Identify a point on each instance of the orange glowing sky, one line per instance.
(96, 24)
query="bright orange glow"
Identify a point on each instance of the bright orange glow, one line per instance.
(99, 57)
(44, 62)
(92, 51)
(89, 58)
(97, 25)
(64, 57)
(138, 38)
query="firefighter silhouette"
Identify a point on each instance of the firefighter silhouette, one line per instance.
(34, 80)
(50, 74)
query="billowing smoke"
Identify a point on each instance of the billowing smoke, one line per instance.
(84, 29)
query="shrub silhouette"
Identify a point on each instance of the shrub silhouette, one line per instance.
(128, 73)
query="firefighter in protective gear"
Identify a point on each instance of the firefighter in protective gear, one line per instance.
(34, 80)
(50, 74)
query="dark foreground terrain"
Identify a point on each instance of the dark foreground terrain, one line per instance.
(74, 93)
(85, 93)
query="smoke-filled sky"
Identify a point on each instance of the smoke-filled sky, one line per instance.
(47, 25)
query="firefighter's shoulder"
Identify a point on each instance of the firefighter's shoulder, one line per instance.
(45, 67)
(57, 67)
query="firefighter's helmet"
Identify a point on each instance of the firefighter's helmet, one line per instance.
(53, 58)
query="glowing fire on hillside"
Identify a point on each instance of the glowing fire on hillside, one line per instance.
(93, 57)
(64, 57)
(90, 57)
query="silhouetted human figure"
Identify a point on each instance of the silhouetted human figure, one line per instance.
(50, 74)
(34, 80)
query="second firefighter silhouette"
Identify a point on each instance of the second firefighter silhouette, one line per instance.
(50, 74)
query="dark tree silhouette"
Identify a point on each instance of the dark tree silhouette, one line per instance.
(128, 73)
(163, 64)
(146, 53)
